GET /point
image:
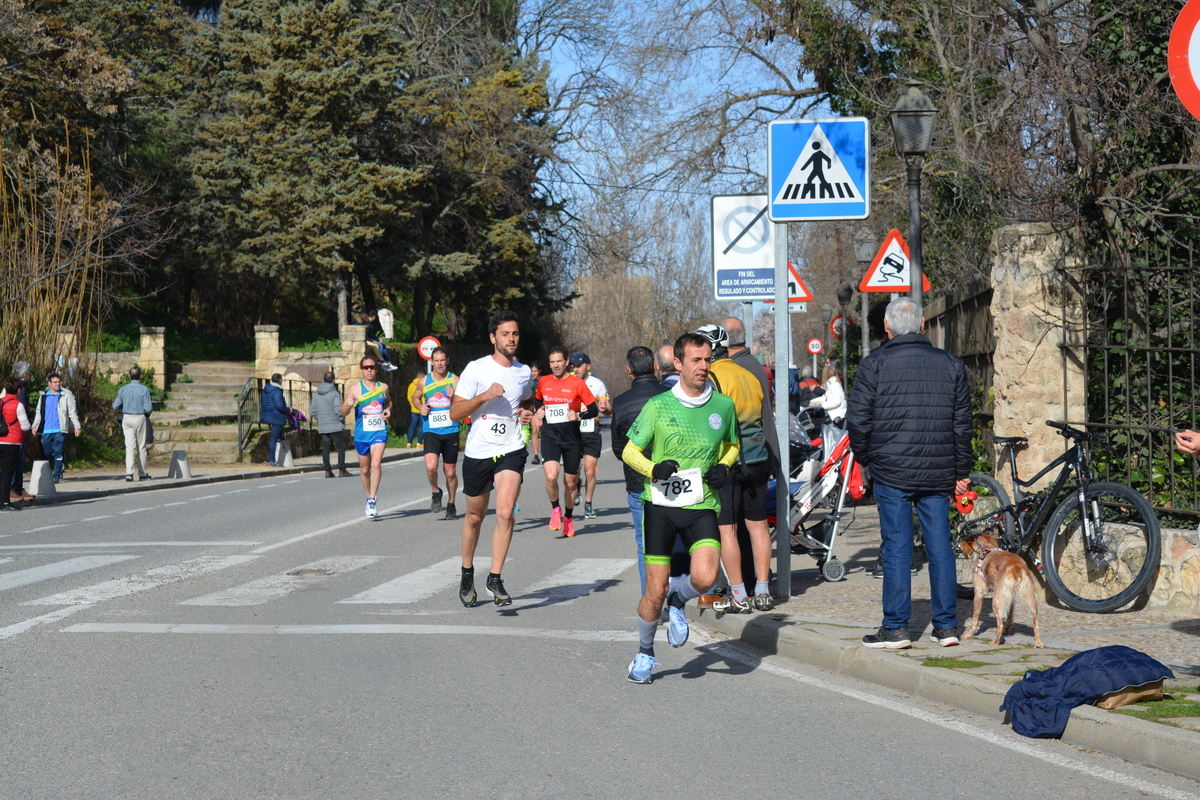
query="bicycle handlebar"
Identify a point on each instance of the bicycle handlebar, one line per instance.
(1074, 433)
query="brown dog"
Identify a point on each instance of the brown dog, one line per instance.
(1007, 576)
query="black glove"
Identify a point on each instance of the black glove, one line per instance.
(664, 469)
(717, 475)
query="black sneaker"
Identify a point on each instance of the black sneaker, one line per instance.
(883, 639)
(451, 512)
(946, 638)
(877, 568)
(436, 505)
(588, 511)
(537, 459)
(495, 587)
(466, 590)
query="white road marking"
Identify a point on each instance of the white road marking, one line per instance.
(24, 577)
(46, 528)
(21, 627)
(438, 630)
(93, 519)
(577, 579)
(735, 652)
(238, 491)
(285, 483)
(5, 560)
(137, 510)
(169, 505)
(151, 579)
(414, 586)
(273, 587)
(268, 485)
(80, 545)
(336, 527)
(207, 497)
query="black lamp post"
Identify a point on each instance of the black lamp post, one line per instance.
(865, 247)
(844, 293)
(826, 316)
(913, 120)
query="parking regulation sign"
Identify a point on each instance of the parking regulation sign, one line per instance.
(743, 248)
(819, 169)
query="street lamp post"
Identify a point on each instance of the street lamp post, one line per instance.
(826, 316)
(913, 120)
(844, 293)
(865, 245)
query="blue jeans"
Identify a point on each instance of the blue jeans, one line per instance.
(895, 522)
(53, 445)
(415, 428)
(639, 513)
(276, 432)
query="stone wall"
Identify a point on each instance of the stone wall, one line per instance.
(1177, 587)
(114, 365)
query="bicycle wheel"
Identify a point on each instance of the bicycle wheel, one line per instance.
(1123, 555)
(983, 518)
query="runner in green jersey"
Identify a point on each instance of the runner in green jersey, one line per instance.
(692, 435)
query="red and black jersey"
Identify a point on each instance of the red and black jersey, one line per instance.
(555, 393)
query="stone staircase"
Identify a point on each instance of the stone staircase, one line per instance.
(200, 417)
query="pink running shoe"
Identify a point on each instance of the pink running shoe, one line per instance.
(568, 527)
(556, 519)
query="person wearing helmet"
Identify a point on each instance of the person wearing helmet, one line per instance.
(745, 550)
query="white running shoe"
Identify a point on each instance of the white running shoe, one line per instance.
(371, 512)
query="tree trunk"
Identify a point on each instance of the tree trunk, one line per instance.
(420, 325)
(364, 285)
(343, 297)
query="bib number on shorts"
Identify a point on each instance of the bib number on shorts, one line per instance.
(557, 413)
(439, 418)
(499, 430)
(684, 488)
(587, 425)
(374, 423)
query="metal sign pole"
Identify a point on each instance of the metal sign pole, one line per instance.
(783, 340)
(748, 324)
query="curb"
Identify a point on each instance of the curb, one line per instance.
(1136, 740)
(175, 483)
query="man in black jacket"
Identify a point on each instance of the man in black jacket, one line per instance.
(910, 421)
(639, 362)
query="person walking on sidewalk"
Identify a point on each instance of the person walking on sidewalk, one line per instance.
(326, 408)
(692, 435)
(17, 491)
(562, 401)
(16, 423)
(134, 403)
(910, 422)
(56, 417)
(494, 392)
(275, 414)
(372, 410)
(433, 398)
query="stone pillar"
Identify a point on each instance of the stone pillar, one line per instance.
(266, 349)
(354, 347)
(1037, 312)
(153, 355)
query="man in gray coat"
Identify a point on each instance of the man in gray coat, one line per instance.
(325, 408)
(133, 401)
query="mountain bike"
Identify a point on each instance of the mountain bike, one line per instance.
(1099, 546)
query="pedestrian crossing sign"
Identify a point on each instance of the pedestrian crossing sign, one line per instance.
(819, 169)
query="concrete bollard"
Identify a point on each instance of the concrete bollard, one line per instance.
(283, 453)
(180, 468)
(40, 480)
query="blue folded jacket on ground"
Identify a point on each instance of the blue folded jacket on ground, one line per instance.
(1040, 704)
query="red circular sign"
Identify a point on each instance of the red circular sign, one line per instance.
(426, 345)
(1183, 56)
(815, 346)
(835, 326)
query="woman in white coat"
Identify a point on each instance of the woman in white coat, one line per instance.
(834, 399)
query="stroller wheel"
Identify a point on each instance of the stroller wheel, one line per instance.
(832, 570)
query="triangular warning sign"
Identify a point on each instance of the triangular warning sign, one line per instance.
(890, 271)
(818, 175)
(798, 291)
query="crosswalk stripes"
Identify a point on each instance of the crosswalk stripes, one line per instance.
(414, 586)
(575, 580)
(24, 577)
(274, 587)
(150, 579)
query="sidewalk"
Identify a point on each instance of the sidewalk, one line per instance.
(823, 623)
(83, 484)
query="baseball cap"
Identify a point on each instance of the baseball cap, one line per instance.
(580, 358)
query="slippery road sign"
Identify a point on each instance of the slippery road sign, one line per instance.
(890, 271)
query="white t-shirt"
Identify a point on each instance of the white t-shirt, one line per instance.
(597, 388)
(495, 429)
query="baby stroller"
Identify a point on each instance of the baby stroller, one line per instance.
(824, 472)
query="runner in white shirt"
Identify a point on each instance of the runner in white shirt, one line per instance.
(590, 430)
(494, 391)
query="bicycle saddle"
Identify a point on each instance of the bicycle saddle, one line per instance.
(1010, 440)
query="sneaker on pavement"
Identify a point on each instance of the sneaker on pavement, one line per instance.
(588, 511)
(568, 527)
(129, 479)
(15, 497)
(9, 507)
(677, 624)
(730, 605)
(436, 505)
(27, 496)
(537, 459)
(707, 600)
(466, 591)
(451, 512)
(556, 519)
(641, 667)
(883, 639)
(577, 496)
(328, 473)
(763, 602)
(495, 587)
(371, 512)
(344, 474)
(946, 638)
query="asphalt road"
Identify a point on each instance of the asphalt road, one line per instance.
(262, 639)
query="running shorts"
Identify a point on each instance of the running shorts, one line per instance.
(443, 444)
(745, 498)
(569, 455)
(696, 527)
(363, 447)
(479, 473)
(592, 444)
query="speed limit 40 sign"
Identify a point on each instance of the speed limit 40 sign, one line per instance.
(815, 346)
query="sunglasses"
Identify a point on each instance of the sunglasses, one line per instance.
(368, 366)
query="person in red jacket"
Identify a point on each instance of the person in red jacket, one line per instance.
(12, 411)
